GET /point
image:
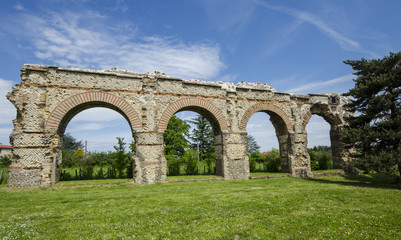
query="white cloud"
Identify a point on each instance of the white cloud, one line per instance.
(83, 41)
(18, 6)
(228, 78)
(320, 85)
(345, 42)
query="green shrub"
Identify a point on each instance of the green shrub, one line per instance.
(191, 162)
(130, 167)
(252, 163)
(5, 160)
(273, 161)
(314, 163)
(210, 161)
(325, 161)
(65, 176)
(173, 165)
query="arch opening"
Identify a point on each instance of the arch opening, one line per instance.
(61, 116)
(191, 143)
(272, 135)
(323, 132)
(96, 144)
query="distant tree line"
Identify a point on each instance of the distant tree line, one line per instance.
(320, 158)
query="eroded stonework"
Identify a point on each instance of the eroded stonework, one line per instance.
(49, 97)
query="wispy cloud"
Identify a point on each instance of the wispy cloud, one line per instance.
(320, 85)
(229, 16)
(82, 40)
(282, 38)
(18, 6)
(345, 42)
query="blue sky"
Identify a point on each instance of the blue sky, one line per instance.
(296, 46)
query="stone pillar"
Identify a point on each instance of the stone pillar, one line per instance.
(284, 144)
(218, 150)
(299, 159)
(340, 154)
(36, 159)
(149, 161)
(235, 155)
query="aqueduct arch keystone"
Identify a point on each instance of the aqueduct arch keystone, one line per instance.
(48, 97)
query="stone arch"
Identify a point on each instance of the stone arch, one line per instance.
(210, 112)
(323, 111)
(269, 108)
(203, 107)
(335, 123)
(282, 125)
(67, 109)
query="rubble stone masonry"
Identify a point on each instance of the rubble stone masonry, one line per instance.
(49, 97)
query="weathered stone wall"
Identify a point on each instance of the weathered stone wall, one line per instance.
(49, 97)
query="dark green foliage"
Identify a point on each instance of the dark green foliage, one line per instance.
(253, 146)
(174, 165)
(130, 166)
(202, 137)
(68, 158)
(325, 161)
(70, 143)
(210, 161)
(375, 131)
(5, 160)
(191, 162)
(320, 158)
(314, 162)
(175, 144)
(254, 155)
(175, 137)
(120, 160)
(273, 161)
(99, 173)
(252, 163)
(258, 157)
(321, 148)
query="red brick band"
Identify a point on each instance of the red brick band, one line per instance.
(64, 107)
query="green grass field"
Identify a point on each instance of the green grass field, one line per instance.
(337, 207)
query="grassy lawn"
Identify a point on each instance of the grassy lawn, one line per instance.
(338, 207)
(328, 170)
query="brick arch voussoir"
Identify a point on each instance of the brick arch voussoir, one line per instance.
(265, 107)
(174, 107)
(57, 115)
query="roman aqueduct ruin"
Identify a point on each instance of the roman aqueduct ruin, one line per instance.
(49, 97)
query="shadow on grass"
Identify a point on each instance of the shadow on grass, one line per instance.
(374, 180)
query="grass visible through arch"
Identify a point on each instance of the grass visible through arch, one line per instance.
(337, 207)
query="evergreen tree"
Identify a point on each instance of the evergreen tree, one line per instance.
(375, 131)
(202, 137)
(70, 143)
(175, 137)
(120, 156)
(253, 146)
